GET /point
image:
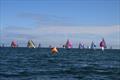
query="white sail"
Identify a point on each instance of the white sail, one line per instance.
(30, 44)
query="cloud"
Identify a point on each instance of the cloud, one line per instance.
(41, 16)
(101, 30)
(52, 24)
(47, 19)
(96, 30)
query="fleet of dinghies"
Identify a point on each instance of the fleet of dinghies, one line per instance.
(67, 45)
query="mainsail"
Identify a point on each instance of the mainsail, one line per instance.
(92, 45)
(103, 43)
(30, 44)
(39, 46)
(68, 44)
(81, 45)
(13, 44)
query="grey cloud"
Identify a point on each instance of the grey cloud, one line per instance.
(47, 19)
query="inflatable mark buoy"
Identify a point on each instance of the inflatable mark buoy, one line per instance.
(54, 50)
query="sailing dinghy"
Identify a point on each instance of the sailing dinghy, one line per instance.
(13, 44)
(68, 44)
(93, 46)
(30, 44)
(103, 44)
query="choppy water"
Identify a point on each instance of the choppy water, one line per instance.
(74, 64)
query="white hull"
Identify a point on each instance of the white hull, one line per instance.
(102, 48)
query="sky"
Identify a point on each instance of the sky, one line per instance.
(52, 22)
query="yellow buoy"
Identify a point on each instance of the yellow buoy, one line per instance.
(54, 50)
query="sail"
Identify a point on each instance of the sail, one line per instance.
(30, 44)
(93, 45)
(68, 44)
(81, 46)
(39, 46)
(103, 43)
(13, 44)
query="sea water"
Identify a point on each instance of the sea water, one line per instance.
(72, 64)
